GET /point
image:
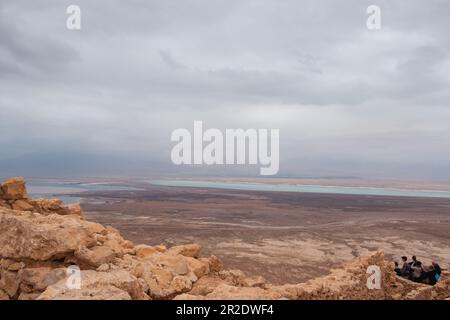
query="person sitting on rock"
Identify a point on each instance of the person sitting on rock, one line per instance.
(415, 262)
(397, 269)
(429, 277)
(435, 275)
(417, 272)
(406, 268)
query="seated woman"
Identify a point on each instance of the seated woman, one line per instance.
(406, 268)
(434, 273)
(417, 273)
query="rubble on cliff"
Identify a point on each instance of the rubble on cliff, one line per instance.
(40, 239)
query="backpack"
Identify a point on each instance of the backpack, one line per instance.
(437, 276)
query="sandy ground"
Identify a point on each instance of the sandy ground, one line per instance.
(285, 237)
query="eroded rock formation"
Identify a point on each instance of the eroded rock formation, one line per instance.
(40, 239)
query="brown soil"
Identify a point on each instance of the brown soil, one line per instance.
(285, 237)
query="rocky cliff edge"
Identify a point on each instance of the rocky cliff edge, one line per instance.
(49, 251)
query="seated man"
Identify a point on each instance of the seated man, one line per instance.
(415, 262)
(406, 268)
(397, 270)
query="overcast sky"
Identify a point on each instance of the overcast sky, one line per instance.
(104, 100)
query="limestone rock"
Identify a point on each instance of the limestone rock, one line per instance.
(16, 266)
(198, 267)
(55, 206)
(28, 296)
(9, 283)
(75, 209)
(5, 263)
(26, 236)
(96, 256)
(38, 279)
(188, 250)
(215, 265)
(47, 205)
(116, 246)
(161, 248)
(98, 285)
(227, 292)
(106, 292)
(143, 250)
(22, 205)
(347, 282)
(3, 295)
(257, 281)
(233, 277)
(40, 238)
(127, 244)
(4, 203)
(164, 275)
(103, 268)
(206, 285)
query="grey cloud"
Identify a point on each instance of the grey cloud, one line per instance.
(348, 101)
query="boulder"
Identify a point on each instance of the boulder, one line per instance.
(163, 275)
(116, 246)
(9, 283)
(4, 203)
(22, 205)
(28, 296)
(256, 281)
(103, 268)
(164, 284)
(206, 285)
(227, 292)
(181, 284)
(47, 205)
(161, 248)
(106, 292)
(55, 206)
(103, 285)
(5, 263)
(188, 250)
(27, 236)
(95, 257)
(75, 209)
(215, 265)
(127, 244)
(233, 277)
(14, 189)
(3, 295)
(38, 279)
(144, 251)
(16, 266)
(198, 267)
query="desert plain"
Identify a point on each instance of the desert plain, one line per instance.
(283, 236)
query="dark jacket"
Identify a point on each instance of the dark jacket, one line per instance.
(437, 268)
(406, 269)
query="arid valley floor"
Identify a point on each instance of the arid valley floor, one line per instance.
(285, 237)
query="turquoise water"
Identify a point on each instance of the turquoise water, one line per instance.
(303, 188)
(66, 191)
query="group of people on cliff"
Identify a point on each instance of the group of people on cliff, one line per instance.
(415, 271)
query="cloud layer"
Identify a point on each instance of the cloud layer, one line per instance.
(103, 100)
